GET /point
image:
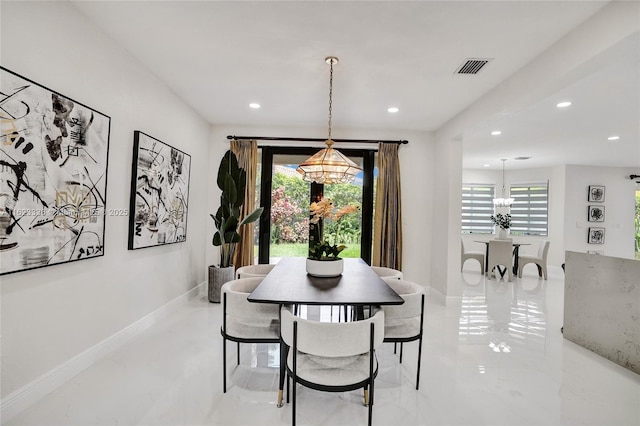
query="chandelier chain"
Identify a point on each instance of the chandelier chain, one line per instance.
(330, 94)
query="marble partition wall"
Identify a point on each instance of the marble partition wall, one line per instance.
(602, 306)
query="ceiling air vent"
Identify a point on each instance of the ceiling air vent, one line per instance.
(472, 66)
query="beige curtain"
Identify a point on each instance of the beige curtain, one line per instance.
(387, 233)
(247, 153)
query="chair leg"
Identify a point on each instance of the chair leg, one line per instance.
(224, 365)
(288, 388)
(366, 395)
(401, 350)
(419, 358)
(395, 347)
(370, 417)
(293, 410)
(539, 270)
(238, 352)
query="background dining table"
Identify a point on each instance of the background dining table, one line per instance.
(516, 253)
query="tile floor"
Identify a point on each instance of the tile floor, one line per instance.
(496, 359)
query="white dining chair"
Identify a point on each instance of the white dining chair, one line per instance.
(404, 323)
(384, 272)
(252, 271)
(540, 260)
(465, 255)
(500, 254)
(333, 356)
(245, 322)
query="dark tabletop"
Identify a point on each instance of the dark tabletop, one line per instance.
(288, 283)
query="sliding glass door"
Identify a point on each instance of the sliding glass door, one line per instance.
(284, 226)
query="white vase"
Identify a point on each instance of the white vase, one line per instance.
(325, 268)
(502, 234)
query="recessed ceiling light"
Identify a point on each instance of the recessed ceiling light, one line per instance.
(613, 138)
(254, 105)
(563, 104)
(393, 109)
(522, 158)
(486, 165)
(496, 132)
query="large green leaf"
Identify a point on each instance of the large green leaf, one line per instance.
(217, 241)
(232, 237)
(230, 191)
(228, 167)
(252, 217)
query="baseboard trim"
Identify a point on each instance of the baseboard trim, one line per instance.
(442, 299)
(27, 395)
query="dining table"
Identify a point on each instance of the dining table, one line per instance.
(516, 253)
(289, 284)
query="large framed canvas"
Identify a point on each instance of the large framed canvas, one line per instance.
(159, 193)
(53, 176)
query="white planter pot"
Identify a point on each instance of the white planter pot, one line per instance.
(502, 234)
(325, 268)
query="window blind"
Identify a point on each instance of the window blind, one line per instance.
(529, 212)
(477, 208)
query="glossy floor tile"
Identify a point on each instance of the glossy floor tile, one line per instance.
(498, 358)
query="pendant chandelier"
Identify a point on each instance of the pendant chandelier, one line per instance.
(329, 165)
(503, 202)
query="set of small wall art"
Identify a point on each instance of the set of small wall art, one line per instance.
(53, 181)
(595, 213)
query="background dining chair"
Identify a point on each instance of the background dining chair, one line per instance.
(384, 272)
(333, 356)
(464, 255)
(404, 323)
(245, 322)
(500, 253)
(540, 260)
(252, 271)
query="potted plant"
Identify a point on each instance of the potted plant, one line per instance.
(504, 222)
(232, 181)
(323, 259)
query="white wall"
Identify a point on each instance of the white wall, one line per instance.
(416, 159)
(619, 210)
(52, 314)
(555, 176)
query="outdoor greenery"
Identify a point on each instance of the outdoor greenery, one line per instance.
(290, 216)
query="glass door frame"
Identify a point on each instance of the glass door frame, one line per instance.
(266, 183)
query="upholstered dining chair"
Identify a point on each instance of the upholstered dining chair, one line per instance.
(540, 260)
(333, 356)
(245, 322)
(500, 253)
(404, 323)
(384, 272)
(465, 255)
(252, 271)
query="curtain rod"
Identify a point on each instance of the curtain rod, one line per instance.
(275, 138)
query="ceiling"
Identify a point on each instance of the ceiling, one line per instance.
(221, 55)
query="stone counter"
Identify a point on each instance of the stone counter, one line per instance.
(602, 306)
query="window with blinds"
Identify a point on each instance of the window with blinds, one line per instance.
(477, 208)
(529, 212)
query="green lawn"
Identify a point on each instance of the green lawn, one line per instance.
(302, 249)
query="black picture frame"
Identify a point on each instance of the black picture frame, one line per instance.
(159, 201)
(54, 161)
(596, 194)
(596, 235)
(595, 213)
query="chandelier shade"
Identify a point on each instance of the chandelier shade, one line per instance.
(329, 165)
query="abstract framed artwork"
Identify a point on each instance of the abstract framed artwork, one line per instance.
(595, 214)
(596, 194)
(53, 176)
(159, 193)
(596, 236)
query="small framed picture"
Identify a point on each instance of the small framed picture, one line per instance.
(596, 214)
(596, 194)
(596, 236)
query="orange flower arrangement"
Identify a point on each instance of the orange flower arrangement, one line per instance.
(323, 209)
